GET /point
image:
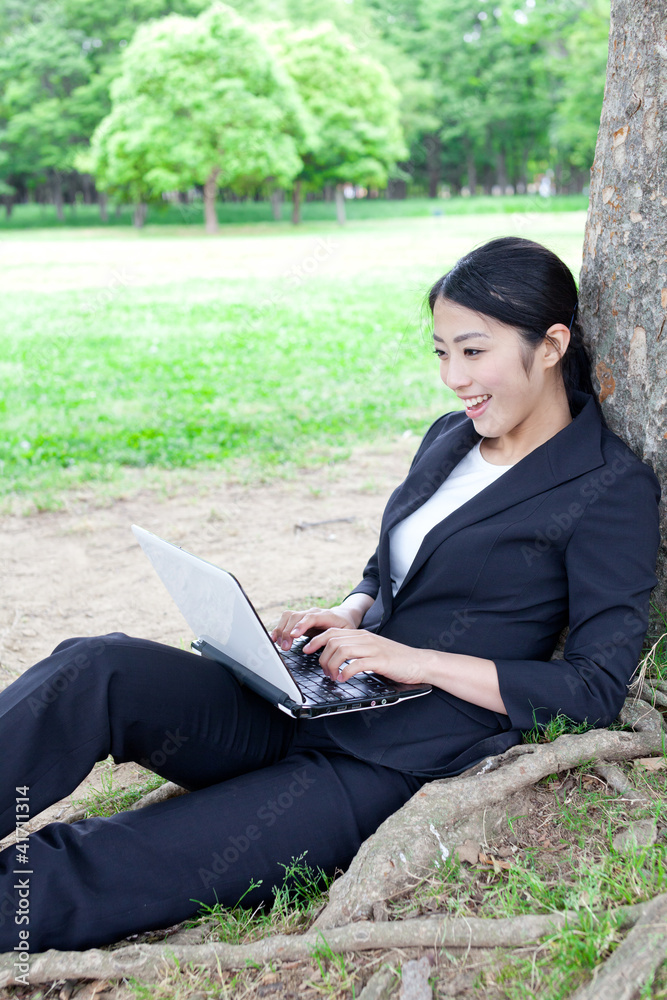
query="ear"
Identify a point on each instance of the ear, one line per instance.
(555, 344)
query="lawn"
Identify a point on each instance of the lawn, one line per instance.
(263, 347)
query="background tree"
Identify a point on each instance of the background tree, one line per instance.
(56, 64)
(199, 101)
(580, 64)
(355, 107)
(624, 275)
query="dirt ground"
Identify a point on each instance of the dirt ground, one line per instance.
(291, 542)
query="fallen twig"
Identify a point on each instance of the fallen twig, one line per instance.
(149, 960)
(304, 525)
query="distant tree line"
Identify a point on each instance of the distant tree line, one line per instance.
(141, 100)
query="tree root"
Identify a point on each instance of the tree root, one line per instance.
(160, 794)
(147, 961)
(450, 810)
(635, 961)
(620, 782)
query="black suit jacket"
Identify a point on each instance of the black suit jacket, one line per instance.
(567, 536)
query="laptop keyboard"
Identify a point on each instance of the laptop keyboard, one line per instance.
(317, 687)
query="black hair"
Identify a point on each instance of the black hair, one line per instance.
(528, 287)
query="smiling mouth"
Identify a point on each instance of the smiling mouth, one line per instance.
(475, 404)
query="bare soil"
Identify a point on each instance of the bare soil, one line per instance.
(291, 542)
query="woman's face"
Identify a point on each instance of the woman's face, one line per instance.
(481, 357)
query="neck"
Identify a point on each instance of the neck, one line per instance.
(552, 415)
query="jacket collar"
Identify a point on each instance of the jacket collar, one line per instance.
(571, 452)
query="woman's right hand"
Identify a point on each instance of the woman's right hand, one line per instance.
(294, 624)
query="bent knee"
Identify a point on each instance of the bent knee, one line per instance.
(91, 644)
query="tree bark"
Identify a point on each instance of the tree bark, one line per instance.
(433, 164)
(296, 203)
(340, 205)
(139, 214)
(471, 170)
(277, 204)
(623, 291)
(210, 191)
(103, 203)
(57, 194)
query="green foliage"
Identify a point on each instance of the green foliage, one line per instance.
(198, 98)
(353, 101)
(582, 79)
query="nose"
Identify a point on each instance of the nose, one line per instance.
(453, 374)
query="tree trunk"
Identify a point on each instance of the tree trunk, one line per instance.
(624, 274)
(139, 215)
(340, 205)
(296, 203)
(433, 164)
(501, 167)
(103, 201)
(57, 194)
(277, 204)
(9, 206)
(210, 191)
(471, 170)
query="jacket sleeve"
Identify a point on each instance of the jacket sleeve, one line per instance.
(610, 562)
(370, 584)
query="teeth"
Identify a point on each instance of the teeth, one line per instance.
(474, 400)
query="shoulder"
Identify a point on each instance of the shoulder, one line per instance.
(624, 468)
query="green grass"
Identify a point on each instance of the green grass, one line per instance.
(110, 798)
(281, 361)
(33, 216)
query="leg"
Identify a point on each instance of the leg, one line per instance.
(101, 879)
(178, 714)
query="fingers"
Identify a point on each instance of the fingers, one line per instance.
(294, 624)
(345, 652)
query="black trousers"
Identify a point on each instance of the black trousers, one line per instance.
(264, 789)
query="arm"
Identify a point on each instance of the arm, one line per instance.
(610, 561)
(471, 678)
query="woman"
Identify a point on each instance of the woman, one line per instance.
(521, 514)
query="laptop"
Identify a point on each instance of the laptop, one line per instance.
(229, 630)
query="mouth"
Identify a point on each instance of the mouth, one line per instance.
(476, 405)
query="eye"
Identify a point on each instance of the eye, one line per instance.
(472, 351)
(440, 354)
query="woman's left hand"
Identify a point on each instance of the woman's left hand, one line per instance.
(367, 651)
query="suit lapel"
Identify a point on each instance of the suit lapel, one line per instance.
(570, 453)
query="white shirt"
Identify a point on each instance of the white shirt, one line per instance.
(466, 480)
